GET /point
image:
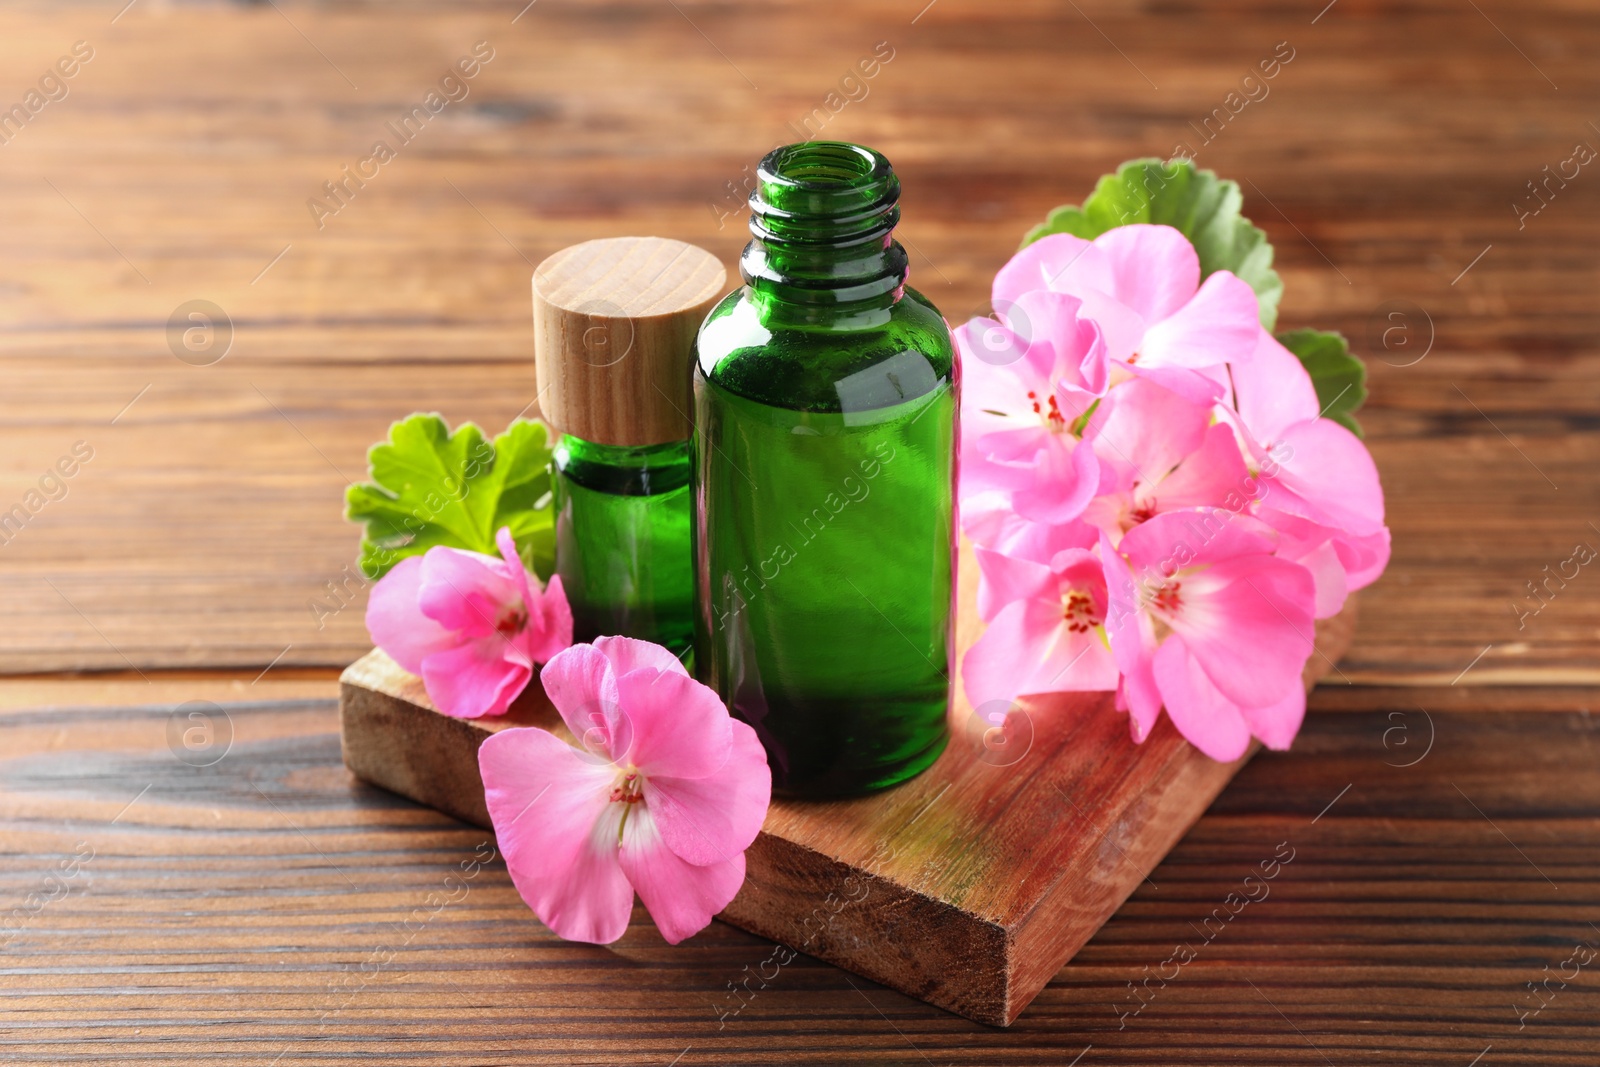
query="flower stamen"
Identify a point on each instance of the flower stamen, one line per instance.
(628, 791)
(1077, 608)
(1050, 412)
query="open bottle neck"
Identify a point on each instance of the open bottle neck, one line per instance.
(822, 252)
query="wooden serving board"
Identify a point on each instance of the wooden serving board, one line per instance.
(967, 887)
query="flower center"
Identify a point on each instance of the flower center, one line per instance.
(1167, 598)
(1077, 608)
(513, 622)
(628, 791)
(1050, 415)
(629, 788)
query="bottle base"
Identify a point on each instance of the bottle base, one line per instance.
(844, 785)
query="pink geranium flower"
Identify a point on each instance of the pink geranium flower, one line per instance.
(1141, 286)
(1159, 452)
(1205, 620)
(471, 625)
(1222, 516)
(1339, 563)
(663, 798)
(1046, 611)
(1325, 473)
(1035, 371)
(1320, 488)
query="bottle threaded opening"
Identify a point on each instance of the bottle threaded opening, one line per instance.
(823, 190)
(822, 217)
(823, 167)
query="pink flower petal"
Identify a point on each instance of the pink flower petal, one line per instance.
(1007, 577)
(1221, 324)
(1364, 558)
(1327, 572)
(1000, 662)
(1006, 459)
(1273, 390)
(711, 820)
(1060, 262)
(1276, 724)
(1143, 430)
(1202, 713)
(1154, 269)
(480, 677)
(680, 727)
(395, 622)
(1043, 541)
(558, 830)
(519, 574)
(1330, 477)
(628, 654)
(582, 685)
(1182, 538)
(1065, 476)
(549, 627)
(682, 898)
(1133, 643)
(985, 512)
(466, 591)
(1206, 385)
(1063, 347)
(1028, 649)
(1248, 622)
(1121, 327)
(1208, 477)
(989, 342)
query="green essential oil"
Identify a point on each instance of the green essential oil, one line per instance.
(825, 411)
(631, 571)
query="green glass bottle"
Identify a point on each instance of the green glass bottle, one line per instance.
(825, 431)
(638, 578)
(614, 325)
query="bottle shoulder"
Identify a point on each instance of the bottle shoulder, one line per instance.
(901, 353)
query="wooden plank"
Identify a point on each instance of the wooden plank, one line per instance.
(967, 887)
(273, 906)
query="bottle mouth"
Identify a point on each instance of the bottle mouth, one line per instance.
(823, 188)
(822, 217)
(820, 168)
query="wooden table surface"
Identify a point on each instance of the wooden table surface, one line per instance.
(268, 909)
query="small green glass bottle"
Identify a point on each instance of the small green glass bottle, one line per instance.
(622, 540)
(825, 431)
(614, 323)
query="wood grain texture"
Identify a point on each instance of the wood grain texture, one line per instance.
(229, 911)
(271, 906)
(967, 887)
(614, 322)
(1383, 162)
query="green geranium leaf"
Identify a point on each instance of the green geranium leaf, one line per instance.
(1197, 203)
(1340, 378)
(433, 487)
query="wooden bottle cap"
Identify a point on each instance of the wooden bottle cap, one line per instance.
(614, 323)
